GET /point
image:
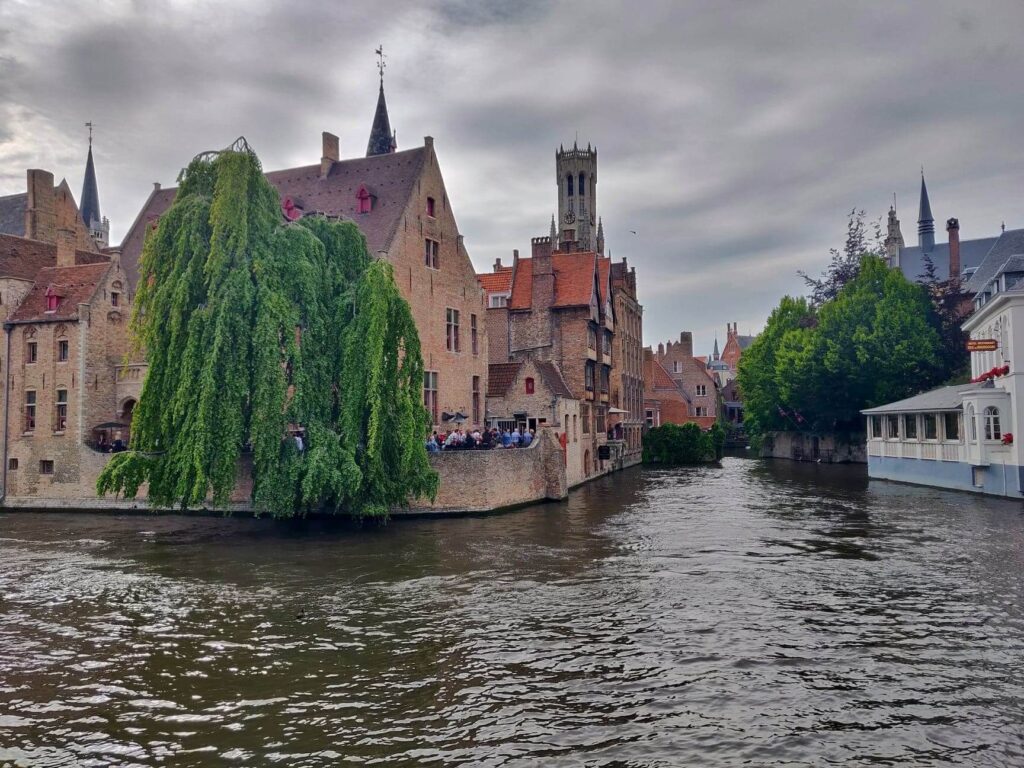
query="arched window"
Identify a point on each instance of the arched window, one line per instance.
(992, 431)
(583, 185)
(972, 424)
(568, 184)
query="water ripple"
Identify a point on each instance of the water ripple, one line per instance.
(754, 613)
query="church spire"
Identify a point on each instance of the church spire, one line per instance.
(382, 138)
(90, 202)
(554, 232)
(925, 222)
(715, 354)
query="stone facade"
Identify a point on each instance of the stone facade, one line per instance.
(481, 481)
(691, 374)
(63, 378)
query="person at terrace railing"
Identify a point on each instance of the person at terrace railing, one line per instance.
(527, 438)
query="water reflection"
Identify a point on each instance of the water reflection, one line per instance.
(767, 613)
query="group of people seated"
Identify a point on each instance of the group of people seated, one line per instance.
(480, 439)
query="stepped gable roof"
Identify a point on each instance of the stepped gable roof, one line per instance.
(500, 377)
(496, 282)
(392, 178)
(75, 285)
(941, 399)
(12, 214)
(553, 379)
(22, 258)
(574, 280)
(1009, 243)
(972, 253)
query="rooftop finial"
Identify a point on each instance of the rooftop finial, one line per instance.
(89, 126)
(381, 64)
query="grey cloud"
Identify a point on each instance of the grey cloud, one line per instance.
(733, 136)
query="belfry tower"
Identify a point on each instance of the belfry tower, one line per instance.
(576, 177)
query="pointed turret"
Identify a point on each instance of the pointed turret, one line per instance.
(90, 207)
(382, 139)
(925, 222)
(554, 232)
(714, 355)
(600, 235)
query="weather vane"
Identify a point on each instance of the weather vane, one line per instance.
(89, 126)
(381, 64)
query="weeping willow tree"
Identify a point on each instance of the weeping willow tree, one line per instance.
(255, 328)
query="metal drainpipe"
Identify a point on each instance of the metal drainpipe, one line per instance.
(7, 397)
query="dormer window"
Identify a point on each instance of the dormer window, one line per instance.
(430, 207)
(365, 199)
(52, 299)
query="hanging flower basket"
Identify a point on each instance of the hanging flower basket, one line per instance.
(1008, 438)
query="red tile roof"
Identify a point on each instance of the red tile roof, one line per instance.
(574, 280)
(390, 178)
(496, 282)
(500, 377)
(75, 285)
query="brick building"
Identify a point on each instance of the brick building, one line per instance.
(665, 402)
(399, 201)
(735, 344)
(65, 306)
(560, 312)
(628, 373)
(497, 288)
(691, 374)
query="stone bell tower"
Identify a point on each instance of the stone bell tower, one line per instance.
(576, 177)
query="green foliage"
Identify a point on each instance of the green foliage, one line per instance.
(845, 265)
(815, 370)
(683, 444)
(253, 327)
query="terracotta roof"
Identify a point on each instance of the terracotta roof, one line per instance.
(500, 377)
(496, 282)
(23, 258)
(12, 214)
(391, 177)
(574, 280)
(553, 379)
(75, 285)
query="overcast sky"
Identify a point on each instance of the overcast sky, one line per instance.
(733, 137)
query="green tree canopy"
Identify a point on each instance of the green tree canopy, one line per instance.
(255, 328)
(873, 343)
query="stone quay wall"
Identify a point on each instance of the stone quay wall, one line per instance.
(482, 481)
(826, 448)
(470, 481)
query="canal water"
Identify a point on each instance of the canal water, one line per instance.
(750, 614)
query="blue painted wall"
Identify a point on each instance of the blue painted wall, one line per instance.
(997, 479)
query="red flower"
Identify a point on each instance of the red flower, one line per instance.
(1008, 438)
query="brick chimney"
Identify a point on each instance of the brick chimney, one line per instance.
(953, 230)
(67, 244)
(330, 155)
(686, 343)
(41, 207)
(497, 264)
(543, 275)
